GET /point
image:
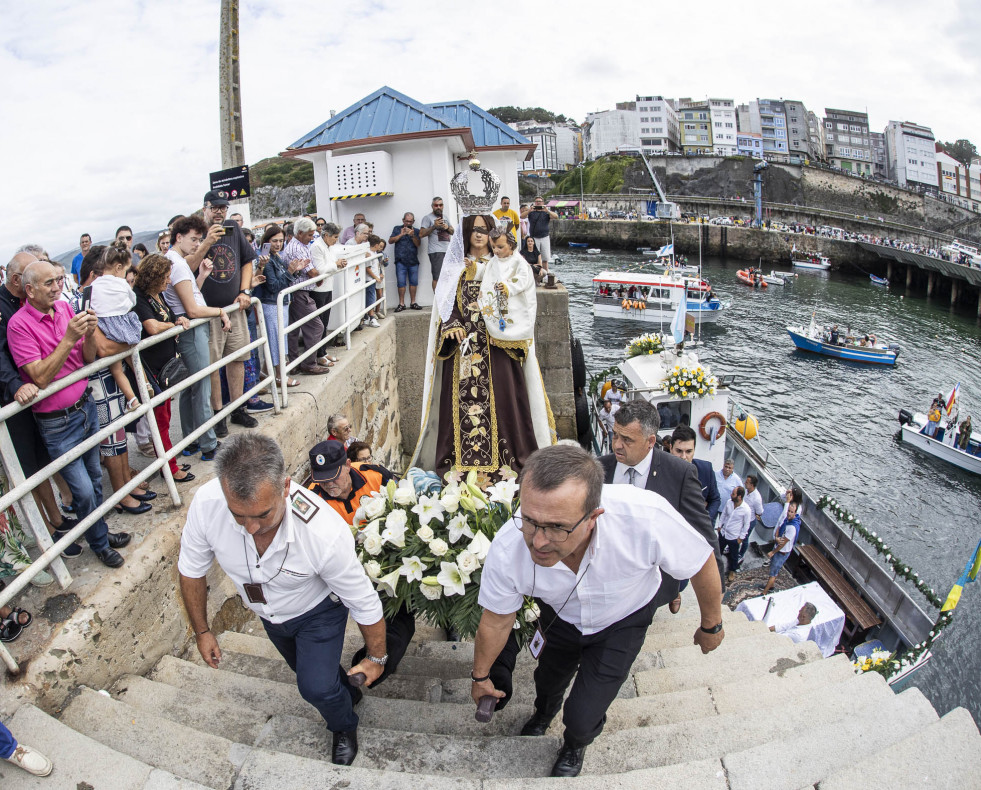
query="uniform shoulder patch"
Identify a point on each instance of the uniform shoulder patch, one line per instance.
(304, 506)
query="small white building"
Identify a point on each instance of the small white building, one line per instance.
(724, 126)
(658, 122)
(911, 154)
(388, 154)
(610, 131)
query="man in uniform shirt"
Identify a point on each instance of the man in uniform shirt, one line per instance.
(591, 555)
(294, 564)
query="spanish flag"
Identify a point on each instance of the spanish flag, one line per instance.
(970, 574)
(953, 397)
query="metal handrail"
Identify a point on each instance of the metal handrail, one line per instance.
(283, 328)
(21, 487)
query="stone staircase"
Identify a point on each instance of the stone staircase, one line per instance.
(759, 713)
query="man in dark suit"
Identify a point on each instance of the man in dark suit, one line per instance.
(683, 446)
(637, 460)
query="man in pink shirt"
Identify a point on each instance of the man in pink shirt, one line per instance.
(48, 342)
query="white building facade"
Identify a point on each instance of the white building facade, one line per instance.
(847, 141)
(724, 126)
(658, 124)
(911, 154)
(610, 131)
(957, 184)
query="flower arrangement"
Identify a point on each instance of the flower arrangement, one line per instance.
(426, 551)
(880, 661)
(647, 344)
(691, 382)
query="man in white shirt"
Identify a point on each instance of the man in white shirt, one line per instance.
(727, 480)
(591, 556)
(755, 502)
(800, 629)
(606, 420)
(292, 559)
(734, 525)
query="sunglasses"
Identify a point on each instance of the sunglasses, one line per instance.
(125, 238)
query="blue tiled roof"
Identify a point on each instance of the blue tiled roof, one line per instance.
(388, 112)
(384, 112)
(487, 130)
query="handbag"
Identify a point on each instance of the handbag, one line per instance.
(170, 375)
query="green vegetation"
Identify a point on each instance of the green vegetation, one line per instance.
(514, 114)
(277, 171)
(603, 175)
(884, 203)
(963, 151)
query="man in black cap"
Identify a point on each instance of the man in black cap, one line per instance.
(229, 282)
(341, 485)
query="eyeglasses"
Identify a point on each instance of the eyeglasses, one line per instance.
(321, 224)
(481, 231)
(554, 533)
(124, 238)
(52, 281)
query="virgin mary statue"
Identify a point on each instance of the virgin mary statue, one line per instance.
(484, 405)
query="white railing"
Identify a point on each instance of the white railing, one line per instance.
(349, 282)
(19, 494)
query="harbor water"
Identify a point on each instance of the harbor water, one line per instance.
(834, 424)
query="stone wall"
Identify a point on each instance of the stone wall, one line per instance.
(274, 202)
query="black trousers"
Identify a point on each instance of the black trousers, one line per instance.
(319, 300)
(599, 662)
(399, 631)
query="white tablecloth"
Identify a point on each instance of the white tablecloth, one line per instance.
(825, 628)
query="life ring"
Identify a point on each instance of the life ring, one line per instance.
(722, 429)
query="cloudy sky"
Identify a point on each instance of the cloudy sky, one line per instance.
(109, 114)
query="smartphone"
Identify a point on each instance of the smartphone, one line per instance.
(264, 252)
(226, 230)
(86, 298)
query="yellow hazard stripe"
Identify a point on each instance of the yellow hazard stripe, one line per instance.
(363, 195)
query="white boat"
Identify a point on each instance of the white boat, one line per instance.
(779, 278)
(912, 433)
(810, 260)
(654, 298)
(594, 250)
(961, 252)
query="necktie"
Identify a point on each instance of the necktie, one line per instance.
(632, 476)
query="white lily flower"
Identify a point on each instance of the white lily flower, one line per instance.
(428, 509)
(479, 546)
(389, 582)
(405, 494)
(438, 546)
(412, 568)
(450, 498)
(458, 527)
(454, 581)
(503, 491)
(468, 562)
(371, 528)
(395, 535)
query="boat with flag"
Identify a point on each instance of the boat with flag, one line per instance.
(943, 438)
(654, 298)
(809, 260)
(850, 345)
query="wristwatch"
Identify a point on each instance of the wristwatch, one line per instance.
(380, 661)
(713, 630)
(246, 291)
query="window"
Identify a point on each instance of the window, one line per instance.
(728, 126)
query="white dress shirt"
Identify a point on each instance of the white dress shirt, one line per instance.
(726, 485)
(638, 534)
(736, 521)
(311, 556)
(621, 474)
(755, 501)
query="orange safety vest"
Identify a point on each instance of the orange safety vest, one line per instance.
(346, 508)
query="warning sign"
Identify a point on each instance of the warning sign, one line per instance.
(233, 183)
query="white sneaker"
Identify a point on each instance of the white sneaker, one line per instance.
(31, 760)
(374, 323)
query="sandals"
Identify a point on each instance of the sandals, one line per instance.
(326, 362)
(133, 404)
(292, 382)
(11, 628)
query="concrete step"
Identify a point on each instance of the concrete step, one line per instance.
(945, 755)
(79, 761)
(802, 759)
(198, 756)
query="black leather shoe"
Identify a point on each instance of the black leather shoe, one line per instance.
(118, 540)
(110, 558)
(241, 417)
(221, 428)
(569, 762)
(143, 507)
(537, 724)
(149, 496)
(344, 748)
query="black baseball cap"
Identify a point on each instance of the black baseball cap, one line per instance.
(326, 460)
(216, 198)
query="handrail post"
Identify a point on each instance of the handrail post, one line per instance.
(267, 353)
(151, 420)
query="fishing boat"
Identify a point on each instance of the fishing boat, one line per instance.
(809, 260)
(941, 445)
(654, 298)
(878, 280)
(855, 347)
(779, 278)
(751, 277)
(878, 608)
(579, 244)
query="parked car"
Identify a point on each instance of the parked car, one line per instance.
(720, 221)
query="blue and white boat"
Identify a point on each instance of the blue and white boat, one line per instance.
(941, 445)
(579, 244)
(654, 298)
(878, 280)
(851, 346)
